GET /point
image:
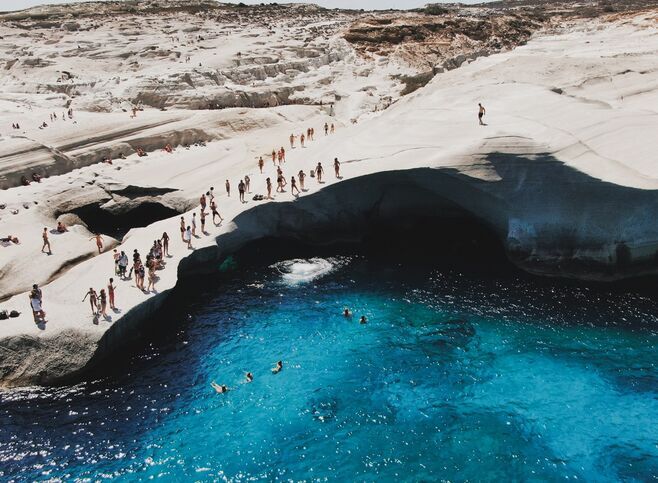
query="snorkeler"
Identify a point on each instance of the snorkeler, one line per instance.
(220, 389)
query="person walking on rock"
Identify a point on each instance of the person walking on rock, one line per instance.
(46, 242)
(99, 242)
(293, 186)
(481, 112)
(93, 300)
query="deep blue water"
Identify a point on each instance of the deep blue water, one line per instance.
(454, 377)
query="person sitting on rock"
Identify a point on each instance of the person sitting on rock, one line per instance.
(36, 177)
(168, 148)
(25, 181)
(10, 239)
(61, 227)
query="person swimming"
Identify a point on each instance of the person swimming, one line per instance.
(363, 320)
(249, 377)
(347, 313)
(221, 389)
(276, 369)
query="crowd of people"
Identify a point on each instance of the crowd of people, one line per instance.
(144, 273)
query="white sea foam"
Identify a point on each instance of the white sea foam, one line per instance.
(299, 271)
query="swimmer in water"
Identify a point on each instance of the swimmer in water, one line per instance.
(220, 389)
(276, 369)
(363, 320)
(347, 313)
(249, 377)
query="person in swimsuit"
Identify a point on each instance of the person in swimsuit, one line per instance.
(110, 291)
(302, 138)
(213, 208)
(152, 276)
(99, 242)
(202, 202)
(283, 154)
(274, 157)
(481, 112)
(61, 227)
(293, 186)
(202, 217)
(241, 188)
(332, 129)
(337, 167)
(249, 377)
(247, 183)
(103, 302)
(93, 300)
(347, 313)
(277, 368)
(326, 129)
(301, 175)
(318, 172)
(228, 188)
(46, 242)
(261, 163)
(165, 244)
(194, 224)
(363, 320)
(182, 228)
(292, 141)
(269, 188)
(220, 389)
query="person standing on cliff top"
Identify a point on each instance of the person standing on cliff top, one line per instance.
(93, 300)
(269, 188)
(228, 188)
(301, 175)
(110, 291)
(241, 189)
(46, 242)
(213, 209)
(337, 167)
(481, 112)
(319, 170)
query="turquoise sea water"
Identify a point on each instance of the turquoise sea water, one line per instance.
(454, 377)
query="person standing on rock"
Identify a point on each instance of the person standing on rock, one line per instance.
(194, 224)
(165, 244)
(293, 186)
(301, 175)
(337, 168)
(228, 188)
(481, 112)
(332, 129)
(182, 228)
(213, 208)
(103, 303)
(36, 303)
(46, 242)
(123, 264)
(202, 217)
(261, 164)
(202, 202)
(319, 171)
(302, 139)
(326, 129)
(292, 141)
(93, 300)
(241, 188)
(283, 155)
(274, 157)
(211, 194)
(188, 237)
(247, 182)
(269, 188)
(99, 242)
(110, 291)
